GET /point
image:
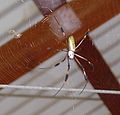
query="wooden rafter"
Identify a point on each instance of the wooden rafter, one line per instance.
(37, 44)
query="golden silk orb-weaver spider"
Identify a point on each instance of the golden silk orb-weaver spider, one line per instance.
(60, 29)
(72, 55)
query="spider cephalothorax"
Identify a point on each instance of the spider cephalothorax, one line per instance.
(72, 55)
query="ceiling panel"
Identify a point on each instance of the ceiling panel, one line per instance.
(18, 15)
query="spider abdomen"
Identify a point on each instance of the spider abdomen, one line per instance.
(71, 43)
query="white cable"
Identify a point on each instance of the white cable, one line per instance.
(56, 89)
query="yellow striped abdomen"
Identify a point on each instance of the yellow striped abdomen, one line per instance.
(71, 43)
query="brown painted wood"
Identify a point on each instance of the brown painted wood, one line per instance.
(37, 44)
(101, 77)
(93, 13)
(21, 55)
(46, 6)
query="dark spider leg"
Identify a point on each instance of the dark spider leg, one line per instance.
(85, 75)
(84, 37)
(91, 64)
(66, 77)
(61, 28)
(57, 64)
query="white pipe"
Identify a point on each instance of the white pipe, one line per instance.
(56, 89)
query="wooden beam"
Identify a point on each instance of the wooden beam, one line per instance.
(93, 13)
(101, 77)
(20, 55)
(47, 6)
(37, 44)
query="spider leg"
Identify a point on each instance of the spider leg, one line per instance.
(85, 75)
(47, 9)
(90, 63)
(66, 77)
(84, 37)
(57, 64)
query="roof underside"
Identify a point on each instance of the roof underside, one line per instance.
(38, 47)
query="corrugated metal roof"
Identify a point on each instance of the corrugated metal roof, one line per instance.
(21, 15)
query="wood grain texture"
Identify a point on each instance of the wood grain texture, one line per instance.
(21, 55)
(37, 44)
(101, 77)
(46, 6)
